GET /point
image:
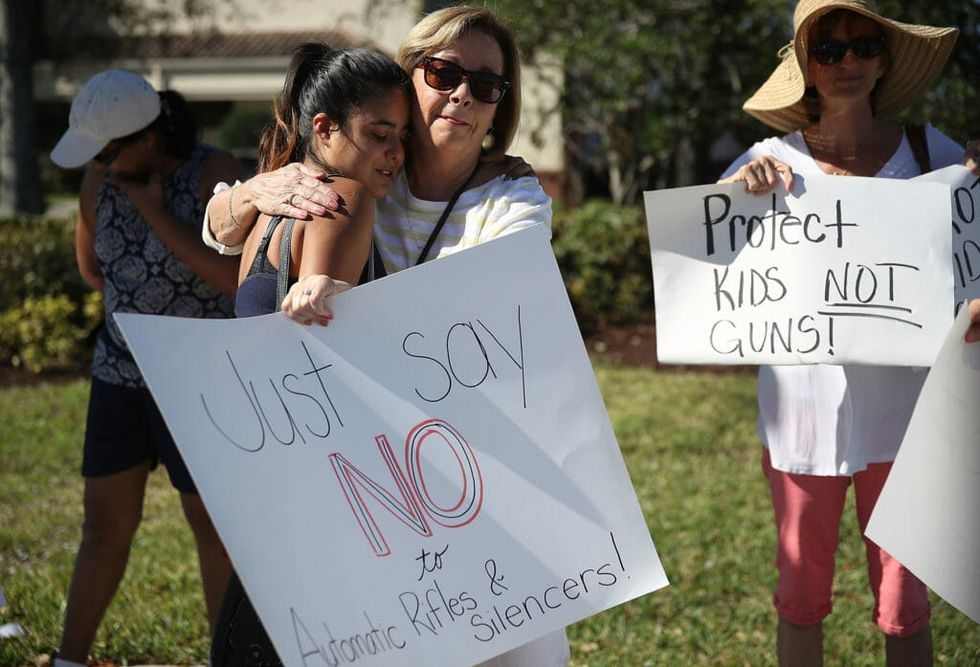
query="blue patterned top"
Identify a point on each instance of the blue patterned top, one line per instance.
(142, 275)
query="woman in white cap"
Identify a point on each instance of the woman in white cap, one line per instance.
(146, 182)
(825, 427)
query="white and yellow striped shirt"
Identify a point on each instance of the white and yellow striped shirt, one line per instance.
(404, 222)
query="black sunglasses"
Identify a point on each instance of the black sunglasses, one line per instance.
(445, 75)
(830, 52)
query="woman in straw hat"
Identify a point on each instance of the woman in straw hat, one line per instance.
(825, 427)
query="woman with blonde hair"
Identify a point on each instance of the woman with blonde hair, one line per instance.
(453, 193)
(824, 428)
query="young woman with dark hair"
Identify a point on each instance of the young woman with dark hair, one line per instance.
(345, 112)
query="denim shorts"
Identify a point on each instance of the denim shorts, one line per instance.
(124, 429)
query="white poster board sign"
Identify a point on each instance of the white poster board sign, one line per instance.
(926, 515)
(965, 202)
(842, 270)
(430, 480)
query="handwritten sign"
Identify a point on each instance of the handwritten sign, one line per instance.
(965, 203)
(432, 479)
(926, 515)
(842, 270)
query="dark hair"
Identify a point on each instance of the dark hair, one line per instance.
(175, 125)
(322, 79)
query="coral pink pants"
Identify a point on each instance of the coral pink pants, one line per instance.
(808, 513)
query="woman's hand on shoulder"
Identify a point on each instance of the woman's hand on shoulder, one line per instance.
(293, 191)
(762, 174)
(511, 167)
(972, 156)
(514, 167)
(306, 301)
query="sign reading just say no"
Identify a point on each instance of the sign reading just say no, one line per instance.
(430, 480)
(841, 270)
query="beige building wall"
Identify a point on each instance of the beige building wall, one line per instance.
(256, 80)
(383, 28)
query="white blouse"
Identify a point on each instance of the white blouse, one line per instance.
(835, 420)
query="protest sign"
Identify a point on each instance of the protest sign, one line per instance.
(926, 515)
(965, 203)
(430, 480)
(842, 270)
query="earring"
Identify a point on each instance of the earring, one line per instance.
(488, 140)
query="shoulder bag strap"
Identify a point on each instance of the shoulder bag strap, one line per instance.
(920, 147)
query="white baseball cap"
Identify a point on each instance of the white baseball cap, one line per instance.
(111, 104)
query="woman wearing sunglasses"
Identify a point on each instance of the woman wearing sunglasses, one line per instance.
(456, 189)
(452, 194)
(826, 427)
(147, 178)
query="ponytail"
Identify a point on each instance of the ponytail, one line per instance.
(281, 137)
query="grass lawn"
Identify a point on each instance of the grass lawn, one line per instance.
(688, 439)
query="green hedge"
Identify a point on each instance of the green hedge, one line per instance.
(47, 313)
(604, 254)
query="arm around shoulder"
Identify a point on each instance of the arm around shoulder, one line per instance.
(221, 230)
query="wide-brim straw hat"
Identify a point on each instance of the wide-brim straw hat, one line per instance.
(916, 54)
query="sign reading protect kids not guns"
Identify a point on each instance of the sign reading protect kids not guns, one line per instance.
(841, 270)
(430, 480)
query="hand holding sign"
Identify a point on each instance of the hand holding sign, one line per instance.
(973, 332)
(763, 174)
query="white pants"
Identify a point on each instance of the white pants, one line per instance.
(548, 651)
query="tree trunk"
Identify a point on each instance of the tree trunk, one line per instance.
(20, 188)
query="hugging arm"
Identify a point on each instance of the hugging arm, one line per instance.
(294, 191)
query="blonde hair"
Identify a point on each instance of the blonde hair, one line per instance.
(444, 27)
